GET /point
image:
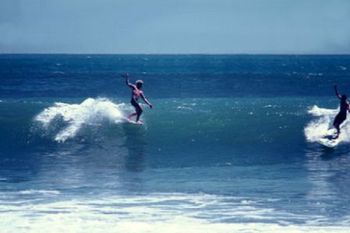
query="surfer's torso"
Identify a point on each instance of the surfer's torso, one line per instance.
(344, 107)
(135, 95)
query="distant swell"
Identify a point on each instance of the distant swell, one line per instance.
(72, 117)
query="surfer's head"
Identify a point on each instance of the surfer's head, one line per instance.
(344, 97)
(139, 84)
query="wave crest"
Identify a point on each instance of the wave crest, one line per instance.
(75, 116)
(322, 125)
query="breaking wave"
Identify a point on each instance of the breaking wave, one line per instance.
(69, 119)
(322, 125)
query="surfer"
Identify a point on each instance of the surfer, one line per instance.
(341, 116)
(135, 94)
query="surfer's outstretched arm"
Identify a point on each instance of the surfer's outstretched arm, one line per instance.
(336, 92)
(127, 82)
(146, 101)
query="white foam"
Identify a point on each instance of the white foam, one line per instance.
(154, 213)
(89, 112)
(317, 111)
(36, 192)
(320, 126)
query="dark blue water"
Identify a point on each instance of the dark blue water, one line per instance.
(223, 149)
(82, 76)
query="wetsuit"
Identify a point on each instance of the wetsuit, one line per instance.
(341, 116)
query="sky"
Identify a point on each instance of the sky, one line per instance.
(175, 26)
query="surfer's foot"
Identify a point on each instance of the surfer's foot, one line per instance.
(131, 115)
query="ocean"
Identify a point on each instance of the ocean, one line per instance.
(232, 144)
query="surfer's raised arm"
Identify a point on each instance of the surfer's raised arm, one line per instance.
(146, 100)
(336, 92)
(127, 82)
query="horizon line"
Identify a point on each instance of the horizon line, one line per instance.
(191, 54)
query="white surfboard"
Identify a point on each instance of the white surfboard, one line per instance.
(134, 122)
(329, 139)
(331, 143)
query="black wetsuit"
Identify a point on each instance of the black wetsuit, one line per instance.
(341, 116)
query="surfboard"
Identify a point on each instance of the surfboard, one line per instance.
(331, 143)
(134, 122)
(329, 139)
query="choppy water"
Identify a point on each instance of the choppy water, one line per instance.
(230, 146)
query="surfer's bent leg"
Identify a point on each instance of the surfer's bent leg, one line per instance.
(138, 110)
(131, 115)
(336, 126)
(337, 122)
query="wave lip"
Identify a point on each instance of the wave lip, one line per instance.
(75, 116)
